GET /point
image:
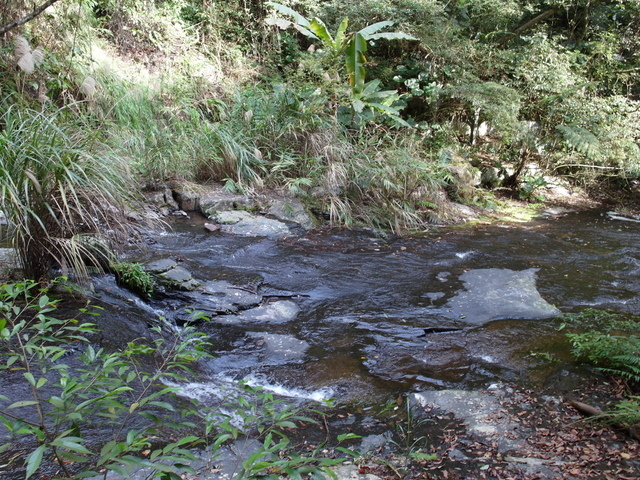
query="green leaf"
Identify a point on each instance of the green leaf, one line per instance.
(70, 443)
(293, 474)
(34, 459)
(72, 456)
(320, 30)
(371, 87)
(355, 61)
(30, 378)
(341, 37)
(358, 105)
(374, 28)
(286, 424)
(292, 13)
(348, 451)
(348, 436)
(22, 403)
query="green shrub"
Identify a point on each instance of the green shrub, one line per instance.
(611, 343)
(111, 390)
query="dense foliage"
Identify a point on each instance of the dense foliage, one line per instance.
(378, 111)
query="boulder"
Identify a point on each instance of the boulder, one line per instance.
(163, 198)
(223, 296)
(160, 266)
(188, 199)
(290, 210)
(214, 202)
(178, 277)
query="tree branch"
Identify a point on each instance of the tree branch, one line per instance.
(37, 11)
(528, 25)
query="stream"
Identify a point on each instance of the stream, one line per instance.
(366, 318)
(362, 318)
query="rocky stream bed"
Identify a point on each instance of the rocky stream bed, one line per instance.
(460, 323)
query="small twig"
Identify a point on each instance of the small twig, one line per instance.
(251, 289)
(326, 428)
(7, 414)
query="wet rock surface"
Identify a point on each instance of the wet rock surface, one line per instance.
(495, 293)
(244, 223)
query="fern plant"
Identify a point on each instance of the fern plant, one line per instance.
(580, 139)
(612, 344)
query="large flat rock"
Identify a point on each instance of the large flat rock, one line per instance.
(500, 293)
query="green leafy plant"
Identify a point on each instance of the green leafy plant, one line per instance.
(612, 341)
(352, 46)
(112, 391)
(529, 188)
(134, 277)
(256, 413)
(409, 441)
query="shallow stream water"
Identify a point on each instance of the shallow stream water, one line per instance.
(371, 310)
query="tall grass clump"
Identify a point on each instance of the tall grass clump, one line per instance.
(395, 185)
(62, 190)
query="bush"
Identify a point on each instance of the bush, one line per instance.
(124, 395)
(134, 277)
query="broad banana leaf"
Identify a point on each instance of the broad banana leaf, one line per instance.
(374, 28)
(283, 24)
(341, 37)
(299, 19)
(355, 61)
(320, 30)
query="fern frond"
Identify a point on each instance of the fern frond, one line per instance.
(580, 139)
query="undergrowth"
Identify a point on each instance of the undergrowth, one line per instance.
(611, 342)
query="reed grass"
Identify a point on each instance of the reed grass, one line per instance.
(63, 192)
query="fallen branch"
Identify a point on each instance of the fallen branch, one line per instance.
(583, 408)
(591, 411)
(37, 11)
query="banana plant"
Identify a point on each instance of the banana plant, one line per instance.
(352, 45)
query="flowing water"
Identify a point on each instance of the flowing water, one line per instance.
(362, 318)
(452, 308)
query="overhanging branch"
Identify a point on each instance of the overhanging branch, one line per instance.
(37, 11)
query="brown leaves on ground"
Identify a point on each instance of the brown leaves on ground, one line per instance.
(559, 444)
